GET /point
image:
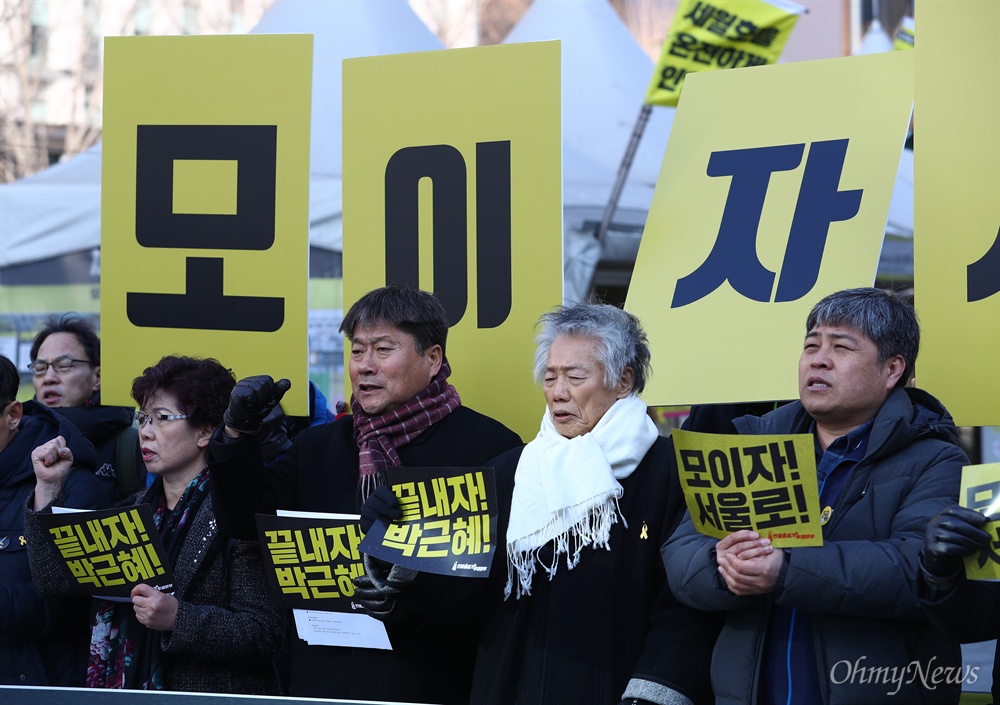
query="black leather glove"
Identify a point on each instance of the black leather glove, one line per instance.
(378, 589)
(380, 503)
(953, 534)
(252, 400)
(273, 436)
(380, 604)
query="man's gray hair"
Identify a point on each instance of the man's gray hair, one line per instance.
(621, 341)
(885, 318)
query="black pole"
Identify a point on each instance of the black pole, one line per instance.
(623, 169)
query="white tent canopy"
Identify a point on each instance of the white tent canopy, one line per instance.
(58, 211)
(605, 76)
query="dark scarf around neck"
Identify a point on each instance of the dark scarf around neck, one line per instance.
(378, 437)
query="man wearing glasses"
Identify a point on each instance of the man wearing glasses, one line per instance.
(66, 369)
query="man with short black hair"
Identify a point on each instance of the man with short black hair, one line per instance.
(66, 369)
(816, 625)
(404, 414)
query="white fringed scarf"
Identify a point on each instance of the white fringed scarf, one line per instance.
(566, 490)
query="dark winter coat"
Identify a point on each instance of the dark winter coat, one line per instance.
(43, 640)
(431, 661)
(969, 614)
(608, 623)
(858, 586)
(102, 425)
(227, 629)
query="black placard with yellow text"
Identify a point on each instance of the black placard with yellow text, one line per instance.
(449, 522)
(107, 552)
(310, 563)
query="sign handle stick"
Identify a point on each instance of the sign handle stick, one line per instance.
(623, 169)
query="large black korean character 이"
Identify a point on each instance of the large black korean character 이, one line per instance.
(444, 166)
(204, 305)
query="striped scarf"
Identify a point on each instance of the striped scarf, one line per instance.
(377, 437)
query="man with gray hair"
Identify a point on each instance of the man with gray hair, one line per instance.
(839, 623)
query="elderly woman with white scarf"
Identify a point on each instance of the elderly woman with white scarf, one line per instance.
(580, 608)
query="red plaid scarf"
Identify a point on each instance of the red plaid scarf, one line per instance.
(377, 437)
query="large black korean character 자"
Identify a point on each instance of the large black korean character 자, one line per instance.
(252, 227)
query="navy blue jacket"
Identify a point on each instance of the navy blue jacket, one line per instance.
(873, 643)
(42, 641)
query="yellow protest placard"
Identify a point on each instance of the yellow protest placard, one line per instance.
(764, 483)
(722, 34)
(453, 183)
(756, 219)
(956, 239)
(205, 206)
(980, 491)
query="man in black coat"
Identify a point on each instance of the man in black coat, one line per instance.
(66, 374)
(404, 414)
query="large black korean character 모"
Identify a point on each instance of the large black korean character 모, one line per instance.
(251, 227)
(693, 463)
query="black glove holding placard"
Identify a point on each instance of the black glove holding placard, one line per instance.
(382, 502)
(377, 590)
(251, 400)
(953, 534)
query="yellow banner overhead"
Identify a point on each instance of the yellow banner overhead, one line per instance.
(453, 184)
(755, 220)
(722, 34)
(205, 206)
(904, 34)
(956, 242)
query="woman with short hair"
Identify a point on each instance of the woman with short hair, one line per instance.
(218, 631)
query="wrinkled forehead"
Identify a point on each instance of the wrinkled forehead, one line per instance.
(827, 330)
(568, 351)
(161, 399)
(61, 344)
(363, 333)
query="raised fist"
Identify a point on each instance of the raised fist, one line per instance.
(252, 400)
